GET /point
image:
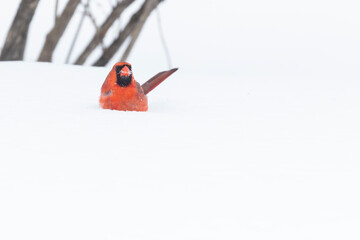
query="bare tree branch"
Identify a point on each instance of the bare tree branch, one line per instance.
(134, 35)
(15, 42)
(86, 10)
(92, 19)
(56, 9)
(134, 25)
(99, 35)
(14, 46)
(57, 31)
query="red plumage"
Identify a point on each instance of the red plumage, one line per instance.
(120, 91)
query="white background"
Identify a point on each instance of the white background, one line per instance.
(231, 37)
(255, 137)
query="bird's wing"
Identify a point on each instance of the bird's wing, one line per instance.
(156, 80)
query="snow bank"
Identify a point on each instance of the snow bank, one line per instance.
(214, 158)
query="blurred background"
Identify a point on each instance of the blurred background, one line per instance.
(255, 137)
(237, 38)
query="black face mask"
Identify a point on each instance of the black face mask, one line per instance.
(123, 81)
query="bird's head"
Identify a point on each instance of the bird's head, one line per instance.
(124, 74)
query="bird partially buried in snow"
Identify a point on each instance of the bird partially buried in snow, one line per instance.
(121, 92)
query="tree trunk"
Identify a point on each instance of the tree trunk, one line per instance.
(15, 42)
(53, 37)
(99, 35)
(134, 24)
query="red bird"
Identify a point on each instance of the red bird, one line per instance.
(120, 91)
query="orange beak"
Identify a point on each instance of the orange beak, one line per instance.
(125, 71)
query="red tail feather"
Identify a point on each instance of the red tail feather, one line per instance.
(156, 80)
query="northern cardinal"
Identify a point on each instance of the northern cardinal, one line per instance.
(120, 91)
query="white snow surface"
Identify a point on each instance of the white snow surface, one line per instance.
(215, 157)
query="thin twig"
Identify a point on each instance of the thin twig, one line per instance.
(54, 35)
(134, 35)
(56, 10)
(162, 36)
(86, 6)
(93, 21)
(138, 17)
(103, 29)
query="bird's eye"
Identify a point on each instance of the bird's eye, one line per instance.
(118, 68)
(129, 66)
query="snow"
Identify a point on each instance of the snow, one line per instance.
(215, 157)
(255, 137)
